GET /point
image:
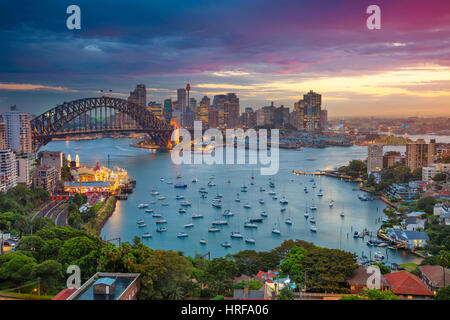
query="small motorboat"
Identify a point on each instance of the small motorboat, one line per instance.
(342, 214)
(156, 215)
(211, 184)
(356, 234)
(219, 222)
(162, 198)
(262, 189)
(313, 228)
(143, 205)
(227, 213)
(283, 209)
(288, 221)
(141, 225)
(185, 203)
(179, 176)
(236, 235)
(161, 179)
(165, 204)
(188, 225)
(219, 195)
(276, 231)
(363, 197)
(153, 202)
(197, 216)
(203, 190)
(202, 241)
(161, 229)
(250, 225)
(180, 185)
(182, 210)
(263, 214)
(226, 244)
(213, 229)
(283, 200)
(237, 199)
(331, 203)
(244, 188)
(149, 210)
(272, 193)
(146, 235)
(274, 197)
(306, 214)
(182, 235)
(247, 206)
(140, 221)
(261, 201)
(259, 220)
(312, 220)
(160, 221)
(382, 244)
(195, 180)
(250, 240)
(212, 177)
(169, 182)
(154, 193)
(178, 197)
(313, 208)
(216, 204)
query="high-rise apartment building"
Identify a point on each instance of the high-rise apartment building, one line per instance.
(18, 130)
(420, 154)
(265, 116)
(25, 168)
(139, 95)
(52, 159)
(281, 117)
(46, 178)
(374, 158)
(3, 137)
(213, 118)
(8, 170)
(313, 110)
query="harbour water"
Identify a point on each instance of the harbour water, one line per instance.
(147, 167)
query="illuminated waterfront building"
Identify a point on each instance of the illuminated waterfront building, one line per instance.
(374, 158)
(18, 130)
(139, 95)
(204, 110)
(420, 154)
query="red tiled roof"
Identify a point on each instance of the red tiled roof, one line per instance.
(403, 282)
(436, 275)
(64, 294)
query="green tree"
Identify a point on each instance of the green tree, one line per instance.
(286, 294)
(382, 267)
(292, 265)
(50, 272)
(426, 204)
(375, 294)
(442, 176)
(16, 267)
(443, 294)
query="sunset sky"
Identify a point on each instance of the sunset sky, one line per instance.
(262, 50)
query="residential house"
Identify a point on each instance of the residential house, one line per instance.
(414, 224)
(443, 212)
(244, 294)
(409, 239)
(407, 286)
(359, 279)
(267, 276)
(434, 277)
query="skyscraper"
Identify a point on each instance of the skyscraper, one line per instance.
(3, 137)
(420, 154)
(139, 95)
(167, 110)
(204, 110)
(324, 119)
(156, 108)
(8, 170)
(18, 130)
(228, 109)
(313, 107)
(181, 95)
(374, 158)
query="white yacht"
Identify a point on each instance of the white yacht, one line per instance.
(188, 225)
(236, 235)
(276, 231)
(154, 193)
(313, 228)
(197, 216)
(250, 240)
(142, 205)
(288, 221)
(284, 200)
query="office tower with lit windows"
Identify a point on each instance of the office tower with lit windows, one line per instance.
(313, 103)
(139, 95)
(155, 108)
(204, 110)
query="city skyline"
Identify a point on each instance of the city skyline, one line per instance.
(275, 51)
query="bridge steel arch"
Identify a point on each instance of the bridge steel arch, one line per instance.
(55, 123)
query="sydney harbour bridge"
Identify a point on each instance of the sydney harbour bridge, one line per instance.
(98, 115)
